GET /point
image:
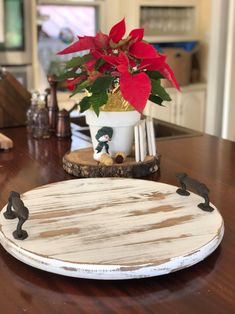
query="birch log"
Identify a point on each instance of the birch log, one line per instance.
(81, 164)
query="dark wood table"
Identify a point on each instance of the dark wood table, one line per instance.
(208, 287)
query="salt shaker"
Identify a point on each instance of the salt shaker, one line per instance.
(41, 118)
(31, 111)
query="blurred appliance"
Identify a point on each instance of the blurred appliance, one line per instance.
(16, 29)
(17, 46)
(1, 22)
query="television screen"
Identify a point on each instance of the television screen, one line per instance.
(13, 28)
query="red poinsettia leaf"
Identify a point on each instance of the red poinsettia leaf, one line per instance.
(115, 73)
(137, 34)
(101, 40)
(90, 64)
(72, 83)
(110, 59)
(96, 54)
(84, 43)
(152, 63)
(123, 59)
(142, 50)
(169, 75)
(106, 68)
(123, 62)
(118, 31)
(133, 63)
(122, 68)
(135, 89)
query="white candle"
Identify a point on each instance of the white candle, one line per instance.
(137, 146)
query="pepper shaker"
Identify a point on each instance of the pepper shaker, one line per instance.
(63, 124)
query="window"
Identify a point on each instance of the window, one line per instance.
(58, 26)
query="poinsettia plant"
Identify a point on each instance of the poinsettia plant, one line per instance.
(114, 63)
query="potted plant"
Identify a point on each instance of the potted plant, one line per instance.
(119, 76)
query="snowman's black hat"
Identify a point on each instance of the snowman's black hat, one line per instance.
(104, 131)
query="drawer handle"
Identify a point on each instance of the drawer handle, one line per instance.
(17, 209)
(200, 188)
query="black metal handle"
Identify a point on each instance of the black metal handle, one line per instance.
(200, 188)
(17, 209)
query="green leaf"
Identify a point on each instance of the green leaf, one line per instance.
(79, 88)
(78, 61)
(99, 62)
(84, 104)
(101, 84)
(163, 94)
(156, 99)
(67, 75)
(97, 100)
(156, 75)
(155, 86)
(157, 89)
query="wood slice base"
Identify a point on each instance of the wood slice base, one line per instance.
(81, 164)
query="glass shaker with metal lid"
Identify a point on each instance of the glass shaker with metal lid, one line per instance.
(41, 118)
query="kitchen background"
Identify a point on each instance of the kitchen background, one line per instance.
(197, 36)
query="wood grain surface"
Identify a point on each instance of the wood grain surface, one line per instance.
(207, 287)
(112, 229)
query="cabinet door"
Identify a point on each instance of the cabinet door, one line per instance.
(168, 20)
(191, 107)
(167, 113)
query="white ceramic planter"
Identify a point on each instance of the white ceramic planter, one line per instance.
(123, 128)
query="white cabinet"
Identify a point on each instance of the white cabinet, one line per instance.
(186, 108)
(191, 109)
(172, 21)
(163, 20)
(168, 21)
(166, 112)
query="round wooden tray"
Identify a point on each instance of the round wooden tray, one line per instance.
(110, 228)
(81, 164)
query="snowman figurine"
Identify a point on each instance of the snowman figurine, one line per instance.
(103, 136)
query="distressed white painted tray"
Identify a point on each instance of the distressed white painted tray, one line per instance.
(110, 228)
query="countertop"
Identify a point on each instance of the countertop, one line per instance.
(208, 287)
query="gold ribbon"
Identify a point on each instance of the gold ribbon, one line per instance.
(116, 103)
